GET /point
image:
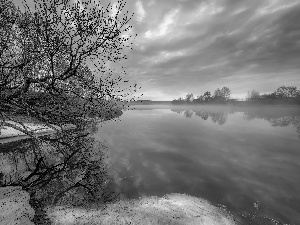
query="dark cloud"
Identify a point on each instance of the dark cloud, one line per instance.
(205, 44)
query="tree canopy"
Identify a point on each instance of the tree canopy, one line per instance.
(54, 70)
(59, 51)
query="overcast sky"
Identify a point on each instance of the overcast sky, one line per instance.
(200, 45)
(194, 46)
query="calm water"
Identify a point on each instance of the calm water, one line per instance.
(230, 156)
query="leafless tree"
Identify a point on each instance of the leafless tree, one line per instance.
(59, 52)
(54, 70)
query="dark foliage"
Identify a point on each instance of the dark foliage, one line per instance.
(283, 95)
(53, 71)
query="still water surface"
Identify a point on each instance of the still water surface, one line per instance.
(230, 156)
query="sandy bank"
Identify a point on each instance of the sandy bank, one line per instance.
(170, 209)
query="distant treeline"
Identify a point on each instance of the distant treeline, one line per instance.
(282, 95)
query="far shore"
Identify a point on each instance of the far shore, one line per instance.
(233, 103)
(215, 105)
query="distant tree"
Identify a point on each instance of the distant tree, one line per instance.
(253, 96)
(217, 93)
(207, 96)
(199, 99)
(218, 96)
(287, 92)
(271, 97)
(180, 100)
(189, 97)
(221, 95)
(226, 93)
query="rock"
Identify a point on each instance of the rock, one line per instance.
(14, 206)
(170, 209)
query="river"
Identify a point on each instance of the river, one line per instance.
(245, 158)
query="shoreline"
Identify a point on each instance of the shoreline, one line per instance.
(211, 104)
(9, 134)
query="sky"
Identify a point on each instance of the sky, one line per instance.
(194, 46)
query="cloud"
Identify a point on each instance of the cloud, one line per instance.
(140, 11)
(194, 46)
(274, 6)
(164, 26)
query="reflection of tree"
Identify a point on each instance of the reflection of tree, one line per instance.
(281, 121)
(216, 117)
(65, 169)
(68, 167)
(219, 118)
(277, 116)
(45, 77)
(282, 117)
(177, 111)
(188, 113)
(203, 115)
(286, 121)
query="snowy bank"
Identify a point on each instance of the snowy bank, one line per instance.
(7, 133)
(170, 209)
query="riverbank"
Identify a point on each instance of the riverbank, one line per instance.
(170, 209)
(238, 104)
(178, 209)
(10, 134)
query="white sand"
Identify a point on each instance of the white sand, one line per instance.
(170, 209)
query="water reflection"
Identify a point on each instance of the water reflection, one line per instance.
(216, 117)
(230, 156)
(279, 117)
(64, 169)
(155, 152)
(276, 117)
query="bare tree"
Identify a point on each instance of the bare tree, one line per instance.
(253, 96)
(53, 69)
(59, 52)
(189, 97)
(226, 93)
(221, 95)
